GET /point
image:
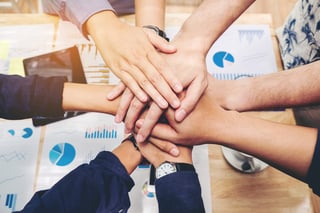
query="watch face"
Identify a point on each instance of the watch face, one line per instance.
(165, 169)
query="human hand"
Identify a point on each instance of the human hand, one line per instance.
(157, 156)
(133, 56)
(189, 66)
(203, 124)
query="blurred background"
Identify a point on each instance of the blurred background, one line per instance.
(278, 8)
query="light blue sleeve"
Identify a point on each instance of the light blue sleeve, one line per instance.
(76, 11)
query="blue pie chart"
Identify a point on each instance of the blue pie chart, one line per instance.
(62, 154)
(222, 58)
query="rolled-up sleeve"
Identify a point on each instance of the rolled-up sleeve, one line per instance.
(79, 11)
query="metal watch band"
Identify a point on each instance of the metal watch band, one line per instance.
(160, 32)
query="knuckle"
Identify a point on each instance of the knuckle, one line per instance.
(144, 82)
(155, 78)
(135, 104)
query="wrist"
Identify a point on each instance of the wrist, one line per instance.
(217, 132)
(128, 155)
(107, 18)
(196, 42)
(157, 30)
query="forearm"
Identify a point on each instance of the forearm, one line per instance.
(287, 147)
(108, 19)
(150, 12)
(128, 155)
(209, 21)
(86, 97)
(296, 87)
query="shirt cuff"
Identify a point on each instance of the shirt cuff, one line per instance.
(47, 96)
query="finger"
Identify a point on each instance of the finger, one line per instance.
(161, 44)
(193, 94)
(116, 91)
(135, 108)
(164, 69)
(129, 79)
(151, 153)
(125, 101)
(154, 85)
(144, 83)
(165, 146)
(160, 131)
(152, 117)
(159, 88)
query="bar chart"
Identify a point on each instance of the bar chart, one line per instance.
(102, 132)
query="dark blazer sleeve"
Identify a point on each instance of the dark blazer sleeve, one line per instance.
(26, 97)
(98, 187)
(313, 176)
(179, 192)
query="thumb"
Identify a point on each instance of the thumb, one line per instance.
(161, 44)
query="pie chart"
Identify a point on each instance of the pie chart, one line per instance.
(62, 154)
(222, 58)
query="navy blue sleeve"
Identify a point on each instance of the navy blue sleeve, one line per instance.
(313, 176)
(26, 97)
(179, 192)
(101, 186)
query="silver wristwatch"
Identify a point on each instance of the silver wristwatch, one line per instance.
(167, 167)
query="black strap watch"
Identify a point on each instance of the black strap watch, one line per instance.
(159, 32)
(167, 167)
(131, 138)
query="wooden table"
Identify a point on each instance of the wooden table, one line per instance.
(232, 191)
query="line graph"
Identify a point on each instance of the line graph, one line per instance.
(14, 155)
(3, 181)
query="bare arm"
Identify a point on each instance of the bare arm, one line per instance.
(296, 87)
(209, 21)
(287, 147)
(86, 97)
(150, 12)
(193, 41)
(133, 57)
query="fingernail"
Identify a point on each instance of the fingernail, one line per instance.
(174, 152)
(180, 115)
(177, 87)
(139, 138)
(143, 97)
(163, 103)
(176, 103)
(117, 119)
(127, 130)
(110, 95)
(139, 123)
